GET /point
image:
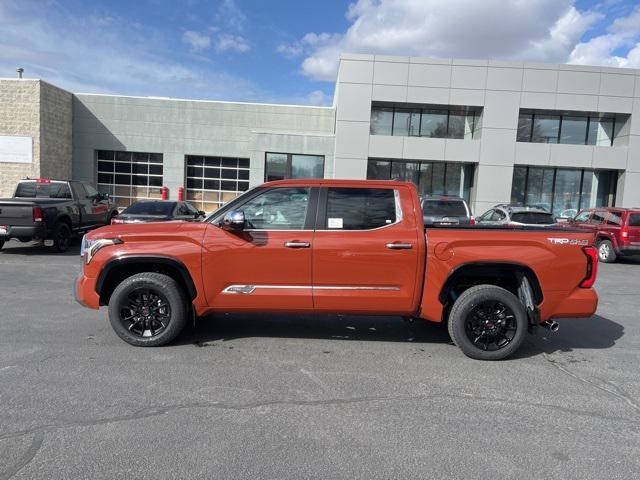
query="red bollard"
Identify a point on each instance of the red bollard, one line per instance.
(181, 194)
(165, 193)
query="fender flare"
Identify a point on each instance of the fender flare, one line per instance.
(172, 262)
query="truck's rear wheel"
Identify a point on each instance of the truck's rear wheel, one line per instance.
(61, 237)
(487, 323)
(606, 253)
(148, 309)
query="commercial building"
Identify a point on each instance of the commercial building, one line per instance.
(560, 136)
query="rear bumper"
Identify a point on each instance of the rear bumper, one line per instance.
(582, 302)
(629, 250)
(84, 291)
(22, 231)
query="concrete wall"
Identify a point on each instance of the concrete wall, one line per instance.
(501, 89)
(36, 109)
(19, 116)
(56, 144)
(177, 128)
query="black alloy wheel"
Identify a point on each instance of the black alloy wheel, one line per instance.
(145, 312)
(148, 309)
(488, 322)
(491, 325)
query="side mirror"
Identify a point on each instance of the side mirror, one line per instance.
(233, 220)
(202, 213)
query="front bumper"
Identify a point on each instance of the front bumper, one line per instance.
(25, 231)
(84, 291)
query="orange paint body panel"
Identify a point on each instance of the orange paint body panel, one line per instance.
(396, 269)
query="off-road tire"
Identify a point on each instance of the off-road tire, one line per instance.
(462, 309)
(156, 282)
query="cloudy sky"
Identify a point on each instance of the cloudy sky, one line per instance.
(287, 50)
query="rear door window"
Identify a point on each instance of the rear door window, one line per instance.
(598, 217)
(444, 208)
(614, 218)
(360, 208)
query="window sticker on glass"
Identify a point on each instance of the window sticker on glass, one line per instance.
(334, 222)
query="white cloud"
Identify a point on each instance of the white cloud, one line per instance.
(622, 34)
(83, 54)
(318, 98)
(230, 15)
(196, 41)
(539, 30)
(226, 42)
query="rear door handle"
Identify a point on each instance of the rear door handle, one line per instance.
(399, 246)
(297, 244)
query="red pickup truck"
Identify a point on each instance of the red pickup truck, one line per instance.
(338, 246)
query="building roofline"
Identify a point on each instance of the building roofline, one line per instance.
(227, 102)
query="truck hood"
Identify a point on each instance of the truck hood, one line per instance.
(125, 230)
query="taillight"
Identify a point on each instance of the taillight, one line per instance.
(625, 232)
(37, 214)
(592, 267)
(472, 220)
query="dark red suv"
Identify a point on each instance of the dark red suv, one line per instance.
(617, 230)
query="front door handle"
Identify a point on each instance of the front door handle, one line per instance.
(297, 244)
(399, 246)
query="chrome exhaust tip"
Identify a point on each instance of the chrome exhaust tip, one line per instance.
(552, 325)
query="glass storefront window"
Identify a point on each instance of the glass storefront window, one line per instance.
(279, 166)
(406, 122)
(431, 178)
(600, 132)
(545, 128)
(563, 191)
(424, 122)
(573, 130)
(525, 124)
(381, 121)
(434, 123)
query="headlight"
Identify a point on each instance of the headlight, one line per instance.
(89, 248)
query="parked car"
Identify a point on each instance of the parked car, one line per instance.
(158, 211)
(338, 246)
(445, 210)
(516, 215)
(617, 231)
(52, 211)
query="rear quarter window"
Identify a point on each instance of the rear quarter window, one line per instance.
(634, 220)
(533, 218)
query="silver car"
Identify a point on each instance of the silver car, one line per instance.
(516, 215)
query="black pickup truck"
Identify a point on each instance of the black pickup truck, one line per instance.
(52, 211)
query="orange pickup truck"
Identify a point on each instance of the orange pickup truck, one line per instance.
(338, 246)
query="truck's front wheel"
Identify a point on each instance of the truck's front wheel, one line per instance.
(487, 322)
(148, 309)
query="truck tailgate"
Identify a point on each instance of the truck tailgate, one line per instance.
(16, 213)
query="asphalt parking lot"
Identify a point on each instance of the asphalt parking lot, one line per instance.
(303, 397)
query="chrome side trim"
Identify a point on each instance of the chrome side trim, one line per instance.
(248, 289)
